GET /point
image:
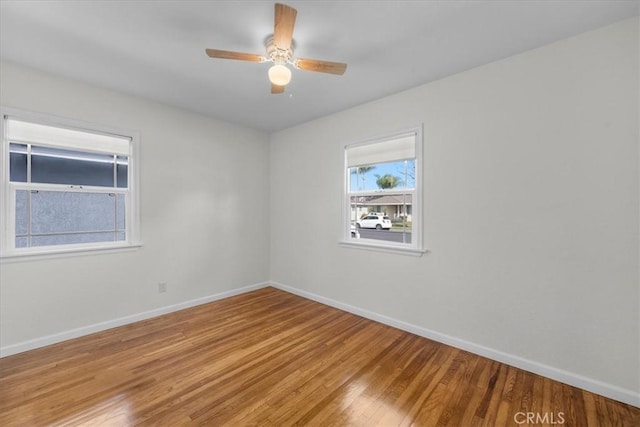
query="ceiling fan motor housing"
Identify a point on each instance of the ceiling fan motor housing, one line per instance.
(277, 55)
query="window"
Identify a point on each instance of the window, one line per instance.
(382, 193)
(66, 186)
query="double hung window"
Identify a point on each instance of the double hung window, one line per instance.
(65, 188)
(382, 193)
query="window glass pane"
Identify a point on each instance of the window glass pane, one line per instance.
(64, 212)
(120, 212)
(56, 166)
(383, 176)
(385, 217)
(123, 170)
(21, 212)
(18, 162)
(59, 218)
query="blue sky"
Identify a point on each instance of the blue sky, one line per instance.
(394, 168)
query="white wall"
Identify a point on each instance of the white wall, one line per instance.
(202, 182)
(531, 209)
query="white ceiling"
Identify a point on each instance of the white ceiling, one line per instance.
(156, 49)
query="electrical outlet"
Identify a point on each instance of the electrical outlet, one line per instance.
(162, 287)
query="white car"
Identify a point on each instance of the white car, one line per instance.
(355, 234)
(378, 222)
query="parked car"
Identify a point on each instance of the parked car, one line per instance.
(355, 234)
(378, 222)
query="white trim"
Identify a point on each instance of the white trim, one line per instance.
(65, 188)
(7, 222)
(67, 251)
(613, 392)
(388, 248)
(102, 326)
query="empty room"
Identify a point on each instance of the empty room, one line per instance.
(327, 213)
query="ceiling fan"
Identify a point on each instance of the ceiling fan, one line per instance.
(280, 52)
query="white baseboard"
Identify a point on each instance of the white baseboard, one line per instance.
(98, 327)
(613, 392)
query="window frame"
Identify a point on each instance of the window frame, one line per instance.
(8, 251)
(416, 247)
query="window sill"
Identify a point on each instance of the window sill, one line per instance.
(401, 250)
(66, 253)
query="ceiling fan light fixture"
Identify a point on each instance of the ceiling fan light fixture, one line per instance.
(279, 75)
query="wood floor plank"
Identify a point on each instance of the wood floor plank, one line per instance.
(270, 358)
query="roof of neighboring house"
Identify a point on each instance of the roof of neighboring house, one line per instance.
(385, 200)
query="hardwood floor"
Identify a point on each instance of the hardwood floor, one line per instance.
(270, 358)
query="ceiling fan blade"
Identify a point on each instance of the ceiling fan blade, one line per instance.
(285, 19)
(321, 66)
(277, 89)
(226, 54)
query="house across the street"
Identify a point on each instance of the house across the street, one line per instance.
(395, 206)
